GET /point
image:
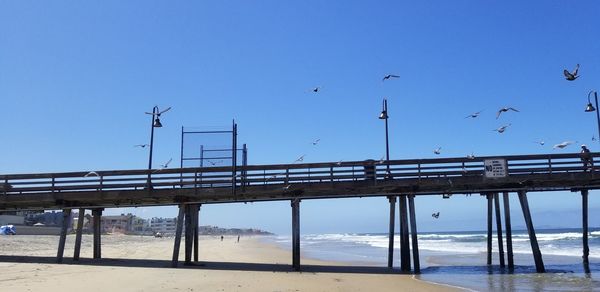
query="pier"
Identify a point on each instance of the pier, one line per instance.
(397, 180)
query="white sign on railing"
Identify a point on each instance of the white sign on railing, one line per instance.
(495, 168)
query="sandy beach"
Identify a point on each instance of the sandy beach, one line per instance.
(135, 263)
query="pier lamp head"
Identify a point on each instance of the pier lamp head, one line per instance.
(590, 107)
(157, 123)
(383, 115)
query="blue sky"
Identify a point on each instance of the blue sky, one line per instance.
(76, 78)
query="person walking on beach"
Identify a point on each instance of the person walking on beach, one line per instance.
(586, 158)
(221, 237)
(238, 238)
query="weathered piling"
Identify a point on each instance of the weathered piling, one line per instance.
(178, 230)
(296, 234)
(499, 229)
(535, 248)
(404, 241)
(489, 228)
(196, 223)
(78, 234)
(584, 219)
(392, 200)
(189, 233)
(413, 232)
(509, 250)
(63, 235)
(97, 221)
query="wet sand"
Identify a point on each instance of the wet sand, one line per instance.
(135, 263)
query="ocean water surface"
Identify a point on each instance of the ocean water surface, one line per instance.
(459, 258)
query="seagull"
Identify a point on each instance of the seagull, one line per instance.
(141, 145)
(505, 109)
(563, 144)
(91, 173)
(471, 156)
(300, 159)
(435, 215)
(541, 142)
(339, 163)
(316, 89)
(593, 138)
(159, 112)
(287, 187)
(382, 160)
(473, 115)
(386, 77)
(166, 164)
(438, 151)
(214, 162)
(315, 142)
(571, 76)
(501, 129)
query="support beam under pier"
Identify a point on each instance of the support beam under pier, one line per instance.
(178, 229)
(97, 220)
(489, 228)
(78, 234)
(296, 234)
(413, 233)
(535, 248)
(584, 219)
(509, 249)
(404, 241)
(392, 200)
(499, 229)
(63, 235)
(196, 218)
(189, 233)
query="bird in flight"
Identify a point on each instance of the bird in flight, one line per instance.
(338, 163)
(541, 142)
(214, 162)
(435, 215)
(159, 112)
(91, 173)
(386, 77)
(287, 187)
(166, 165)
(563, 145)
(571, 75)
(505, 109)
(141, 145)
(315, 142)
(316, 89)
(593, 138)
(474, 115)
(437, 151)
(501, 129)
(300, 159)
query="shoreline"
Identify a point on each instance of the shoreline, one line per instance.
(136, 263)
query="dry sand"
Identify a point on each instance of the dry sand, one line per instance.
(135, 263)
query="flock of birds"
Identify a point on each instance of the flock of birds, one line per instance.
(569, 75)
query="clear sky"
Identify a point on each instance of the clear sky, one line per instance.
(77, 76)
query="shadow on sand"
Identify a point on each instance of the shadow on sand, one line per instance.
(203, 265)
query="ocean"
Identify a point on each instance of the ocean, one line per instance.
(459, 258)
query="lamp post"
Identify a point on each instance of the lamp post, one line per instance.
(591, 108)
(384, 116)
(154, 123)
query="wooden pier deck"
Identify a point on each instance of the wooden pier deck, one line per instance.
(191, 187)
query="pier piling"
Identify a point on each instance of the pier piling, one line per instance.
(392, 200)
(97, 220)
(413, 232)
(499, 229)
(584, 219)
(63, 235)
(178, 230)
(78, 234)
(535, 248)
(296, 234)
(189, 233)
(404, 241)
(489, 228)
(509, 250)
(196, 219)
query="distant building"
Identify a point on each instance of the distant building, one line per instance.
(163, 225)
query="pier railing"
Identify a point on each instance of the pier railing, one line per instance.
(286, 175)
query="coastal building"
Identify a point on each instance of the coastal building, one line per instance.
(163, 225)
